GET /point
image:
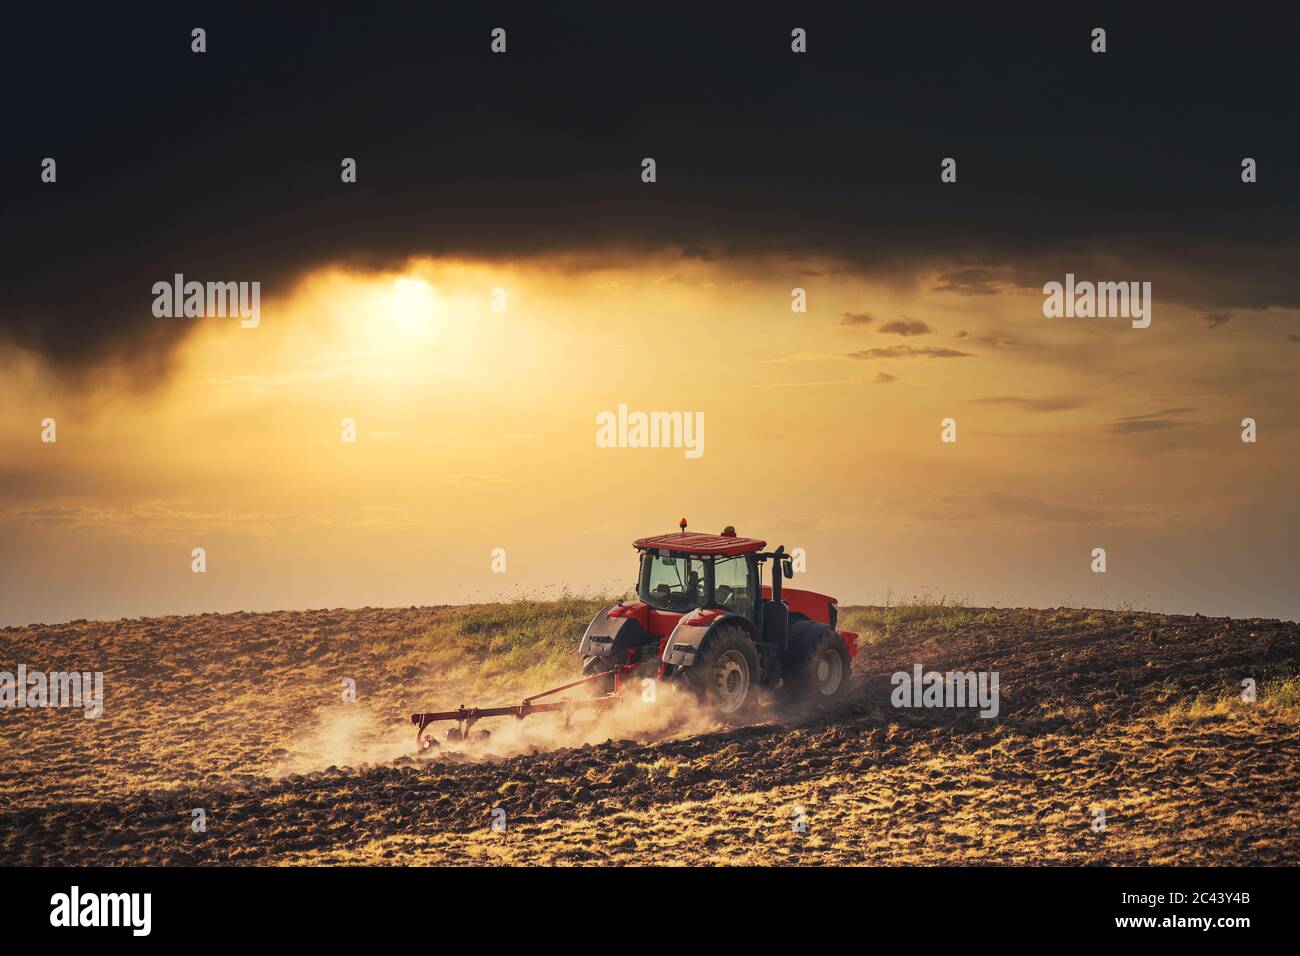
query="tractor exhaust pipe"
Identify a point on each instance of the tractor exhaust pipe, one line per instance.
(780, 633)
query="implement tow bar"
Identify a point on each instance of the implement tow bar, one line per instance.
(467, 717)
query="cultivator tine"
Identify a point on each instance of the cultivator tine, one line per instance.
(421, 744)
(466, 717)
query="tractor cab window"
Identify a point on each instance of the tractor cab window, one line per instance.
(672, 582)
(731, 585)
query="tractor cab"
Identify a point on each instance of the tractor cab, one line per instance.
(684, 572)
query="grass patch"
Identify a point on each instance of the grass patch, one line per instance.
(1279, 696)
(875, 622)
(521, 645)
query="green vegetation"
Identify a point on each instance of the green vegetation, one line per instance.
(507, 648)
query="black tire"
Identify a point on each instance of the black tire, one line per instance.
(817, 669)
(599, 665)
(726, 673)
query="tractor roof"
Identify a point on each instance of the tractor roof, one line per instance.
(708, 545)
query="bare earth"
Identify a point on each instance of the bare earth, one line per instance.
(240, 715)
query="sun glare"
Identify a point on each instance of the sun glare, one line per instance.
(413, 307)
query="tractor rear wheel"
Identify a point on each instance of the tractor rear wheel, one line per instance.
(817, 668)
(725, 675)
(599, 665)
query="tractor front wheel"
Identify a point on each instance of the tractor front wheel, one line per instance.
(726, 673)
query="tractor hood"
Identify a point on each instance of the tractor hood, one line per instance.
(814, 606)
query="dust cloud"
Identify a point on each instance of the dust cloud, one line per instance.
(348, 736)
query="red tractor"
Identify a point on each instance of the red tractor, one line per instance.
(702, 618)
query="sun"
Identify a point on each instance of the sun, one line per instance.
(412, 307)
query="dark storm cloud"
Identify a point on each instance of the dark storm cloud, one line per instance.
(225, 165)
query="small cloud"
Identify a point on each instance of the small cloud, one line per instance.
(1292, 337)
(856, 318)
(697, 252)
(1168, 411)
(880, 378)
(1145, 425)
(972, 282)
(1032, 404)
(907, 352)
(961, 334)
(993, 341)
(1154, 421)
(1215, 319)
(906, 326)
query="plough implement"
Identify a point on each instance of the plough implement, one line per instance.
(703, 620)
(467, 717)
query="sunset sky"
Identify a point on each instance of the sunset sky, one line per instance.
(476, 428)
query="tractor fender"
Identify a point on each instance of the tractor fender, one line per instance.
(688, 636)
(613, 636)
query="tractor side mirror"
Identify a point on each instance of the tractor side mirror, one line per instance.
(787, 569)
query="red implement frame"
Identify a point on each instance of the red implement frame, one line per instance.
(467, 717)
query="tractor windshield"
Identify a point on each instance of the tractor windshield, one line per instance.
(671, 582)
